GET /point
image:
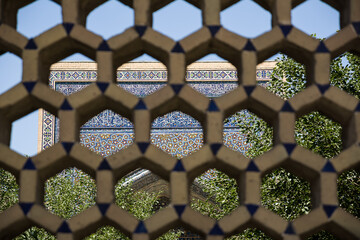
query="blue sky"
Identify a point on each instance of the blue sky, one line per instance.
(176, 20)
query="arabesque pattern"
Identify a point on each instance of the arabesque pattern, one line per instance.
(74, 110)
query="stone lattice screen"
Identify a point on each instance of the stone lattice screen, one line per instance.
(71, 36)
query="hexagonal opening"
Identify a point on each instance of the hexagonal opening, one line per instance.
(319, 134)
(35, 233)
(257, 19)
(107, 133)
(107, 232)
(316, 17)
(142, 193)
(142, 76)
(214, 194)
(9, 190)
(10, 71)
(66, 79)
(177, 134)
(282, 75)
(69, 193)
(245, 132)
(24, 135)
(285, 194)
(322, 235)
(344, 73)
(106, 21)
(180, 233)
(212, 76)
(38, 17)
(173, 22)
(251, 233)
(349, 192)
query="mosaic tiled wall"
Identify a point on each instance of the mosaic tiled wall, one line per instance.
(175, 133)
(73, 110)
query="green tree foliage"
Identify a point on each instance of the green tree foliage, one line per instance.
(9, 190)
(317, 132)
(322, 235)
(221, 191)
(285, 194)
(35, 233)
(289, 77)
(140, 204)
(281, 191)
(69, 193)
(107, 232)
(349, 192)
(258, 133)
(250, 234)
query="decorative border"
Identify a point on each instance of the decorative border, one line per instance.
(212, 83)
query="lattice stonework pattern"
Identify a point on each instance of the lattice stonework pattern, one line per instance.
(108, 132)
(74, 110)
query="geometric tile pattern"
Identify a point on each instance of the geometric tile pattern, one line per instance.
(73, 110)
(97, 136)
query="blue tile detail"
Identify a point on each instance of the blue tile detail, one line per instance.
(214, 29)
(212, 107)
(66, 105)
(176, 87)
(289, 147)
(103, 207)
(322, 48)
(328, 167)
(67, 146)
(29, 165)
(290, 229)
(179, 167)
(143, 146)
(141, 228)
(31, 45)
(141, 30)
(29, 86)
(141, 105)
(323, 88)
(177, 48)
(215, 147)
(216, 230)
(68, 27)
(179, 209)
(356, 26)
(357, 109)
(64, 228)
(249, 46)
(286, 29)
(329, 209)
(249, 89)
(252, 167)
(104, 165)
(102, 86)
(104, 46)
(26, 207)
(252, 208)
(287, 107)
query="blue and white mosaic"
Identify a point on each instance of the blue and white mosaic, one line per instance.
(175, 133)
